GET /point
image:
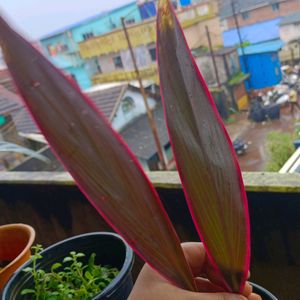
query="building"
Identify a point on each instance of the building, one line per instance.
(120, 103)
(110, 57)
(61, 47)
(139, 138)
(289, 29)
(262, 62)
(230, 77)
(254, 11)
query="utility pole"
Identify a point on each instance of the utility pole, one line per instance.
(213, 57)
(237, 26)
(149, 112)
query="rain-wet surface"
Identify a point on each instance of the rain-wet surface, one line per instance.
(255, 134)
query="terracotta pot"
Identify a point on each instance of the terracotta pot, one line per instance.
(15, 243)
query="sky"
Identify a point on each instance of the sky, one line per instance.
(36, 18)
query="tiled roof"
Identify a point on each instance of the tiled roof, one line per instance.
(138, 134)
(11, 104)
(107, 100)
(242, 6)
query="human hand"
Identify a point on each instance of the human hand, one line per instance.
(152, 286)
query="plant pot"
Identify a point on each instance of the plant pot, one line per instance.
(15, 243)
(110, 249)
(265, 294)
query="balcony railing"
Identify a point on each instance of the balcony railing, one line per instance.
(54, 206)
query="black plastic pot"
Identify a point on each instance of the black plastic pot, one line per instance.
(266, 295)
(110, 249)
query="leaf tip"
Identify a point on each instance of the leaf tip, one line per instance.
(166, 20)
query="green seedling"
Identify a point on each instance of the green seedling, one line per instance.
(69, 279)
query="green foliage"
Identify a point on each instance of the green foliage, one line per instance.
(279, 148)
(70, 279)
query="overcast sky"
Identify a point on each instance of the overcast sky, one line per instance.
(39, 17)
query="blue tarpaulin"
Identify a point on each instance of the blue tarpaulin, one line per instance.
(185, 2)
(147, 10)
(255, 33)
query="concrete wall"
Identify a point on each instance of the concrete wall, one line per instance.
(289, 32)
(264, 13)
(196, 34)
(205, 64)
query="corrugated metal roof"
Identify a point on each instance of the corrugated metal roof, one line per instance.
(272, 46)
(242, 6)
(255, 33)
(290, 19)
(139, 137)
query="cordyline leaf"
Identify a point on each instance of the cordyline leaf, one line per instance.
(204, 154)
(101, 164)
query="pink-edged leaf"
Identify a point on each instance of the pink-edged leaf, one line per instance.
(102, 165)
(205, 158)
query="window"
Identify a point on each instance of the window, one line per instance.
(87, 35)
(118, 62)
(127, 104)
(245, 15)
(275, 7)
(152, 52)
(130, 21)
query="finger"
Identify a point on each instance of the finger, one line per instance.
(254, 297)
(217, 296)
(195, 255)
(205, 286)
(247, 289)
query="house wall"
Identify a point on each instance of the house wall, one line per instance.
(196, 34)
(121, 118)
(80, 75)
(264, 13)
(205, 64)
(64, 46)
(289, 32)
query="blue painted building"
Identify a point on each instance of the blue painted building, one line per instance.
(262, 62)
(61, 47)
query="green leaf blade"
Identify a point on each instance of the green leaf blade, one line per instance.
(101, 164)
(204, 154)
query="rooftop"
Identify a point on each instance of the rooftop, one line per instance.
(271, 46)
(290, 19)
(139, 137)
(108, 99)
(242, 6)
(254, 33)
